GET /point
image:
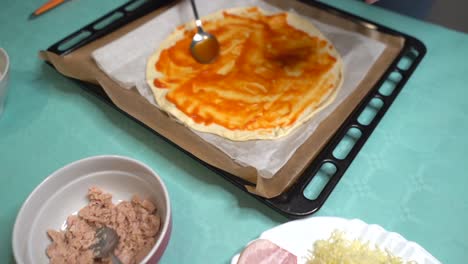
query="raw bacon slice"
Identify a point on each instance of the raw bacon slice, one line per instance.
(263, 251)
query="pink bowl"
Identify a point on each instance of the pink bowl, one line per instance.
(64, 193)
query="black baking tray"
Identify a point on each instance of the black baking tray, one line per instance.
(292, 203)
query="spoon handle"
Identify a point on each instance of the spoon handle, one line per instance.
(115, 259)
(195, 12)
(197, 21)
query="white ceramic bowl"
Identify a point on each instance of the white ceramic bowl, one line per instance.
(4, 73)
(64, 193)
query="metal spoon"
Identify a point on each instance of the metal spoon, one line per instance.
(107, 240)
(204, 46)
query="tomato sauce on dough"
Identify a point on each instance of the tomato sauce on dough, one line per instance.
(266, 75)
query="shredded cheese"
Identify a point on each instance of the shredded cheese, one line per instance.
(338, 250)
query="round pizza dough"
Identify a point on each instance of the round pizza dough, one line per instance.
(333, 79)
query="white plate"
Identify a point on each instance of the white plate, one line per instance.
(299, 236)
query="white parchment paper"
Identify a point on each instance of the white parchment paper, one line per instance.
(124, 60)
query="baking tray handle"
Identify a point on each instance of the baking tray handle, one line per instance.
(106, 24)
(333, 161)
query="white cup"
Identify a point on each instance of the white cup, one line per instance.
(4, 69)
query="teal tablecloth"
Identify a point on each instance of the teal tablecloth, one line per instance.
(410, 177)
